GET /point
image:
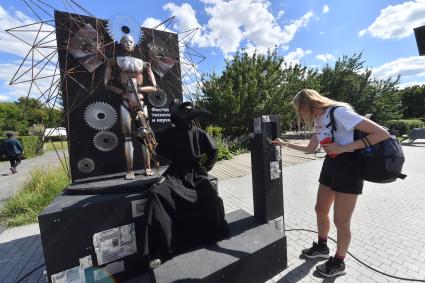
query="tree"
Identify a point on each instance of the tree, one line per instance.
(413, 102)
(253, 85)
(350, 81)
(11, 118)
(19, 116)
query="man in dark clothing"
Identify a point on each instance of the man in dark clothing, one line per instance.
(14, 150)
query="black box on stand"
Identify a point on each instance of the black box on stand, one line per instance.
(93, 237)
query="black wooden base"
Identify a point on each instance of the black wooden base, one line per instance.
(253, 253)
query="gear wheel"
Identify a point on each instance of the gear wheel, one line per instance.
(86, 165)
(105, 141)
(158, 98)
(100, 115)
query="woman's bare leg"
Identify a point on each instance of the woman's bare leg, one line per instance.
(343, 210)
(325, 198)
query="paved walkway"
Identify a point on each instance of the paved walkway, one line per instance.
(388, 224)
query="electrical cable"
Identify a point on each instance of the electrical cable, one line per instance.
(361, 262)
(29, 273)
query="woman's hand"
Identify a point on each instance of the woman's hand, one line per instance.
(333, 148)
(280, 142)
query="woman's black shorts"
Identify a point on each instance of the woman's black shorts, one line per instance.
(341, 175)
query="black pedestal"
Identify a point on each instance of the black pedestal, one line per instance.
(114, 183)
(93, 236)
(253, 253)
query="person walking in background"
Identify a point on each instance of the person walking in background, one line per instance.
(340, 184)
(14, 150)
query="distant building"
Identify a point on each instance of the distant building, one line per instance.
(56, 133)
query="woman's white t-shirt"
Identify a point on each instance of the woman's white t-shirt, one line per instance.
(345, 119)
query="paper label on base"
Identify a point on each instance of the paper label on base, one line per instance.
(277, 153)
(72, 275)
(274, 170)
(86, 262)
(115, 243)
(265, 119)
(277, 223)
(108, 270)
(137, 207)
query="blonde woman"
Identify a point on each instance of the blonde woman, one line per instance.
(339, 183)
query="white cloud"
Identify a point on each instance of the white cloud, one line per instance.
(397, 21)
(185, 19)
(294, 57)
(185, 16)
(406, 67)
(250, 49)
(151, 22)
(17, 90)
(326, 57)
(409, 84)
(4, 98)
(10, 44)
(280, 14)
(233, 22)
(325, 9)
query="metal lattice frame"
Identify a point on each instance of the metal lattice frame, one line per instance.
(40, 65)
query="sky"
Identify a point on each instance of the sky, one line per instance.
(310, 32)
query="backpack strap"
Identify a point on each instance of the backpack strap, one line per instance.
(332, 123)
(366, 141)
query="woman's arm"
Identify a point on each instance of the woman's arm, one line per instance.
(310, 148)
(375, 134)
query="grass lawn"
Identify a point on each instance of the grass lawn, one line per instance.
(42, 187)
(59, 145)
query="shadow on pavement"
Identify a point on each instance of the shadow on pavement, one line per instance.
(299, 272)
(18, 257)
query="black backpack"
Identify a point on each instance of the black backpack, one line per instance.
(378, 163)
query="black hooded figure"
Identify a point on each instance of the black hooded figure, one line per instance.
(184, 210)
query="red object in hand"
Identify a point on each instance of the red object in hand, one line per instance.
(326, 141)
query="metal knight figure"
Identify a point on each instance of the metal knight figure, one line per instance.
(132, 109)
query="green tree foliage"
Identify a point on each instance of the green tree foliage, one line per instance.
(349, 81)
(19, 116)
(254, 85)
(413, 102)
(11, 118)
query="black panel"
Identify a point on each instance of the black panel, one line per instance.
(267, 192)
(420, 39)
(82, 87)
(161, 49)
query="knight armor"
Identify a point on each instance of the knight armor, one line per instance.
(130, 64)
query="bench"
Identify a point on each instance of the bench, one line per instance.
(417, 133)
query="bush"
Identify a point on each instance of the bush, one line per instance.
(37, 193)
(238, 145)
(223, 150)
(403, 126)
(32, 146)
(228, 147)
